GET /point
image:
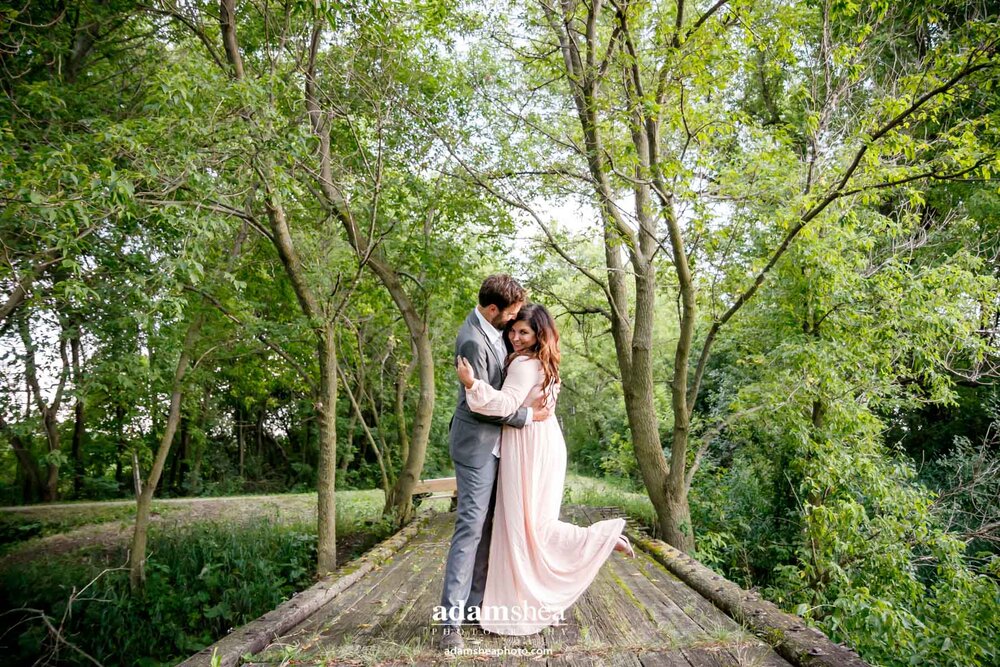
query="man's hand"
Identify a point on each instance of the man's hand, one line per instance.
(465, 373)
(539, 410)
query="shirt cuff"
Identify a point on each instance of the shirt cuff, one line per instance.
(531, 414)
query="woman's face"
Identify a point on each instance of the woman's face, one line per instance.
(522, 337)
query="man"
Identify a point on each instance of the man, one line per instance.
(474, 446)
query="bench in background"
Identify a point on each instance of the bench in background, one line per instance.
(442, 487)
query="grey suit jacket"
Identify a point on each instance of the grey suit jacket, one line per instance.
(473, 436)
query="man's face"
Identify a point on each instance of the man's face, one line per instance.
(502, 317)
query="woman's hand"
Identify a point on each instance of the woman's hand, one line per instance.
(465, 373)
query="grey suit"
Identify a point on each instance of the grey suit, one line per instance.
(471, 440)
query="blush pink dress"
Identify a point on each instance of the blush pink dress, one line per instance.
(538, 564)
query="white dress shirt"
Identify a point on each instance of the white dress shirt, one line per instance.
(495, 336)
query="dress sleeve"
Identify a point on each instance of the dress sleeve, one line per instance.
(521, 377)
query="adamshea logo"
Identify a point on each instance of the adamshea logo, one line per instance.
(496, 614)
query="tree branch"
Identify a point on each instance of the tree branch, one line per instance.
(836, 193)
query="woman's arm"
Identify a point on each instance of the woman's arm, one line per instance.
(475, 355)
(484, 399)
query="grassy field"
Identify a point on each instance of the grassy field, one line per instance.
(29, 531)
(605, 492)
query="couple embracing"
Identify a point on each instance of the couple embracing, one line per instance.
(513, 567)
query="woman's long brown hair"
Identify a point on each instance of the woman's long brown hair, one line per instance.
(546, 347)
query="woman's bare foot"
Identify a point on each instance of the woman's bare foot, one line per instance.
(624, 546)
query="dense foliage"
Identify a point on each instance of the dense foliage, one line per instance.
(203, 581)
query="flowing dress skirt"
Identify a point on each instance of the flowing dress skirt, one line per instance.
(538, 564)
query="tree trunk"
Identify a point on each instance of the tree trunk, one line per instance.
(194, 447)
(666, 484)
(136, 475)
(194, 470)
(227, 25)
(137, 554)
(363, 451)
(79, 427)
(170, 482)
(240, 440)
(402, 381)
(368, 433)
(326, 411)
(399, 503)
(349, 449)
(48, 412)
(121, 446)
(382, 451)
(679, 530)
(326, 403)
(183, 451)
(86, 36)
(51, 490)
(259, 434)
(32, 487)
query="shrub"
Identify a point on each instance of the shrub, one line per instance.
(202, 581)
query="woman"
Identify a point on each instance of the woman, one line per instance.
(538, 565)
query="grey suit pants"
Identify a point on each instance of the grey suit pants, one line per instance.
(468, 558)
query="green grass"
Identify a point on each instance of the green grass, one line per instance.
(204, 578)
(19, 527)
(594, 492)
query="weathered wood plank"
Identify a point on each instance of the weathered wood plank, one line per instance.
(643, 579)
(674, 658)
(573, 660)
(400, 601)
(792, 639)
(702, 624)
(310, 635)
(370, 614)
(645, 632)
(634, 578)
(715, 656)
(595, 659)
(415, 624)
(667, 615)
(310, 631)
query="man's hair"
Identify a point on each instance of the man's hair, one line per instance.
(501, 291)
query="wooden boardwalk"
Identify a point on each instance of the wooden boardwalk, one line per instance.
(636, 613)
